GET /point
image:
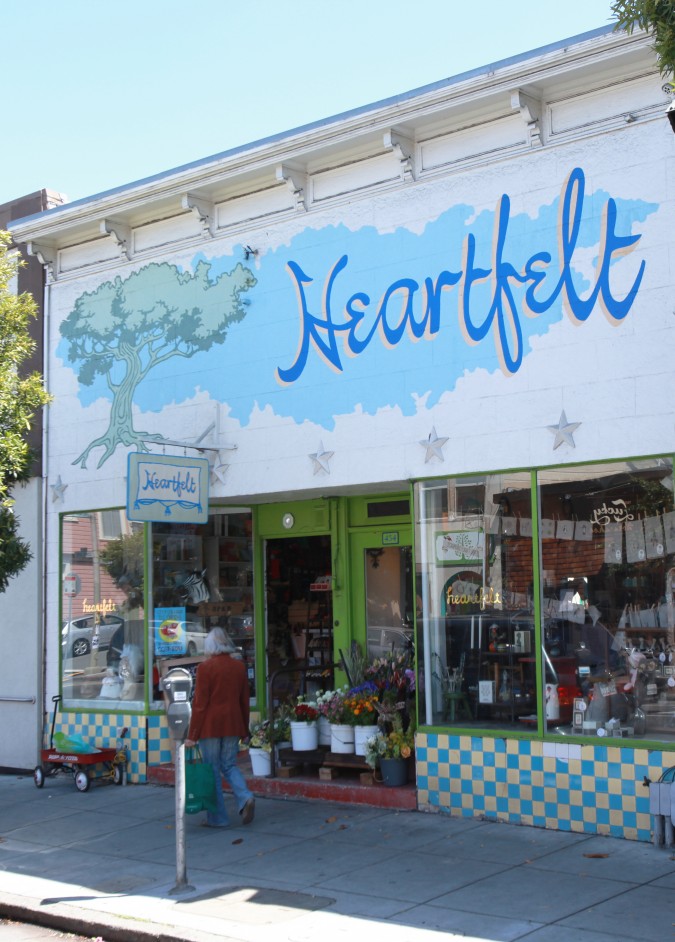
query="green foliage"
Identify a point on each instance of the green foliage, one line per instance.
(21, 396)
(124, 560)
(656, 17)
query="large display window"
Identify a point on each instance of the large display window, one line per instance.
(607, 580)
(588, 652)
(102, 609)
(202, 577)
(476, 638)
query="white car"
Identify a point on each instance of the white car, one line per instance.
(77, 636)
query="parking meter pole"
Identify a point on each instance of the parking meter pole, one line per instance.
(177, 686)
(182, 885)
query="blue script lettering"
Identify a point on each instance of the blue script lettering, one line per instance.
(177, 485)
(395, 313)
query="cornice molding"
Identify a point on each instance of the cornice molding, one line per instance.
(278, 158)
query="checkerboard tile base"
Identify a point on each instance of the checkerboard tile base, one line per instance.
(566, 787)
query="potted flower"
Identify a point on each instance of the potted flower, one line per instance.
(323, 704)
(341, 730)
(281, 732)
(304, 730)
(360, 707)
(260, 747)
(389, 752)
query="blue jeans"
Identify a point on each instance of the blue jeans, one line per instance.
(222, 755)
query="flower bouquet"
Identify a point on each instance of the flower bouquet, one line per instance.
(397, 744)
(360, 704)
(262, 736)
(305, 712)
(323, 699)
(260, 746)
(335, 708)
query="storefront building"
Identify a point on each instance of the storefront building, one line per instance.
(426, 350)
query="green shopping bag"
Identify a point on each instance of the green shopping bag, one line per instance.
(200, 783)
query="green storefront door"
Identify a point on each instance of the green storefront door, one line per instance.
(381, 576)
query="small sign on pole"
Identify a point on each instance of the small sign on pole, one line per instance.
(71, 584)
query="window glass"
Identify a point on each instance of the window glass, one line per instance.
(202, 577)
(475, 611)
(102, 649)
(608, 582)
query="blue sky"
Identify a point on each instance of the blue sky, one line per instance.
(101, 94)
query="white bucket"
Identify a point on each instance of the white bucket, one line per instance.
(261, 764)
(341, 738)
(304, 736)
(324, 731)
(361, 734)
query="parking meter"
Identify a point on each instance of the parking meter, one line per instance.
(178, 686)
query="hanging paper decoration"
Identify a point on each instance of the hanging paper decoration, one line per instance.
(635, 542)
(613, 543)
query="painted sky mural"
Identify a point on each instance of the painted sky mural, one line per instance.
(339, 319)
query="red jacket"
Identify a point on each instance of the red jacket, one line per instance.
(220, 706)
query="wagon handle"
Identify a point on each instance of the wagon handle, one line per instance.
(55, 700)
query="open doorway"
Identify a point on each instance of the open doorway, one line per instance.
(299, 615)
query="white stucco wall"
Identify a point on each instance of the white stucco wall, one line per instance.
(21, 632)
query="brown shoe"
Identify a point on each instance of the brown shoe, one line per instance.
(248, 811)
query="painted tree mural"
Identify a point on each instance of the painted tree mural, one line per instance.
(127, 327)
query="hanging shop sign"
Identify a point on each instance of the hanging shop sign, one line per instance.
(167, 488)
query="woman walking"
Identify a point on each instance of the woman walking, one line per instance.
(220, 718)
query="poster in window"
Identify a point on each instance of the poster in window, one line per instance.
(170, 638)
(459, 547)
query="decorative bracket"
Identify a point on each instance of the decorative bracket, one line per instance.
(530, 112)
(296, 181)
(204, 210)
(404, 150)
(46, 255)
(120, 233)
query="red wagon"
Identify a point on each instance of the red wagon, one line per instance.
(81, 764)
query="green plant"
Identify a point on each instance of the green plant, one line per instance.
(354, 664)
(654, 16)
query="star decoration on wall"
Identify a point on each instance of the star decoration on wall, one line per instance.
(563, 431)
(434, 446)
(321, 459)
(58, 489)
(219, 471)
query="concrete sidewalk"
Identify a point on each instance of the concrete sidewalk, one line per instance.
(104, 863)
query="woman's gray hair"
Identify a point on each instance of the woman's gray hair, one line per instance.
(219, 642)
